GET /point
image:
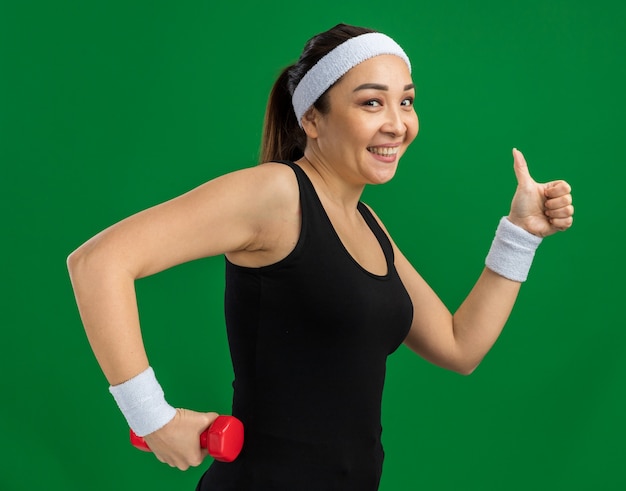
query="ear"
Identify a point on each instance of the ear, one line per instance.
(310, 122)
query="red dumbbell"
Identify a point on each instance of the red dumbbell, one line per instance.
(223, 439)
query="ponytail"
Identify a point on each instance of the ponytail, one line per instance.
(283, 139)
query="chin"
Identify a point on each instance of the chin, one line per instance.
(380, 171)
(385, 175)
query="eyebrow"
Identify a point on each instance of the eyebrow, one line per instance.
(380, 87)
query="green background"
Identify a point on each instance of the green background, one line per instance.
(107, 108)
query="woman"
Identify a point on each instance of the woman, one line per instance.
(317, 294)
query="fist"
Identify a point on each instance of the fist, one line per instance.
(540, 208)
(178, 442)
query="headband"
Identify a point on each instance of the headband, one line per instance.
(332, 66)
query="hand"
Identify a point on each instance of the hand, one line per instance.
(541, 209)
(178, 442)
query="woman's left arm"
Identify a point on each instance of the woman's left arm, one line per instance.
(460, 341)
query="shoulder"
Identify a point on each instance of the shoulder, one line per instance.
(264, 201)
(277, 177)
(252, 191)
(271, 181)
(275, 187)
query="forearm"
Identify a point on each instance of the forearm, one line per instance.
(106, 299)
(460, 341)
(481, 317)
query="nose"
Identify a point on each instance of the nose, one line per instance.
(395, 122)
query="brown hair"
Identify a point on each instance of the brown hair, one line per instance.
(283, 139)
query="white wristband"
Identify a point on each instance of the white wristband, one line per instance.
(512, 251)
(142, 402)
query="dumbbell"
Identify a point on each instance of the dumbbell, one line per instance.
(223, 439)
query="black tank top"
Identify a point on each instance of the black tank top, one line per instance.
(309, 337)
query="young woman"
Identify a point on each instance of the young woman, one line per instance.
(317, 294)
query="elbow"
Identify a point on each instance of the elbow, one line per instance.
(465, 361)
(73, 261)
(460, 367)
(466, 368)
(76, 261)
(84, 261)
(77, 267)
(93, 264)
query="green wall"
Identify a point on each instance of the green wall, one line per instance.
(107, 108)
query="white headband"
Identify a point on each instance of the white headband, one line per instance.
(337, 62)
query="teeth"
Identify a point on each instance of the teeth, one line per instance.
(384, 151)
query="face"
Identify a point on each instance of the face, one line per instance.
(370, 123)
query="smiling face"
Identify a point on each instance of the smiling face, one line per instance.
(370, 122)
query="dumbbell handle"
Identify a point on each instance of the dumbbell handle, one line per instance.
(223, 439)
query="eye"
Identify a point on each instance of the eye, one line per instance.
(408, 102)
(372, 103)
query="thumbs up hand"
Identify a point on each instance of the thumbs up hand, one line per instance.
(541, 209)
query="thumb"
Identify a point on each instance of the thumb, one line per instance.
(210, 417)
(199, 420)
(521, 168)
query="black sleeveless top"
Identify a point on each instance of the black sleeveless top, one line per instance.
(309, 337)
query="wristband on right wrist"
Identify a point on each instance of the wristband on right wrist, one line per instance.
(142, 402)
(512, 251)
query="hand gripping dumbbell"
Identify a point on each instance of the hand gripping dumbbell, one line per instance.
(223, 439)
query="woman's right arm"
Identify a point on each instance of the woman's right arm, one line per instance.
(237, 212)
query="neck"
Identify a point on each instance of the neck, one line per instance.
(330, 183)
